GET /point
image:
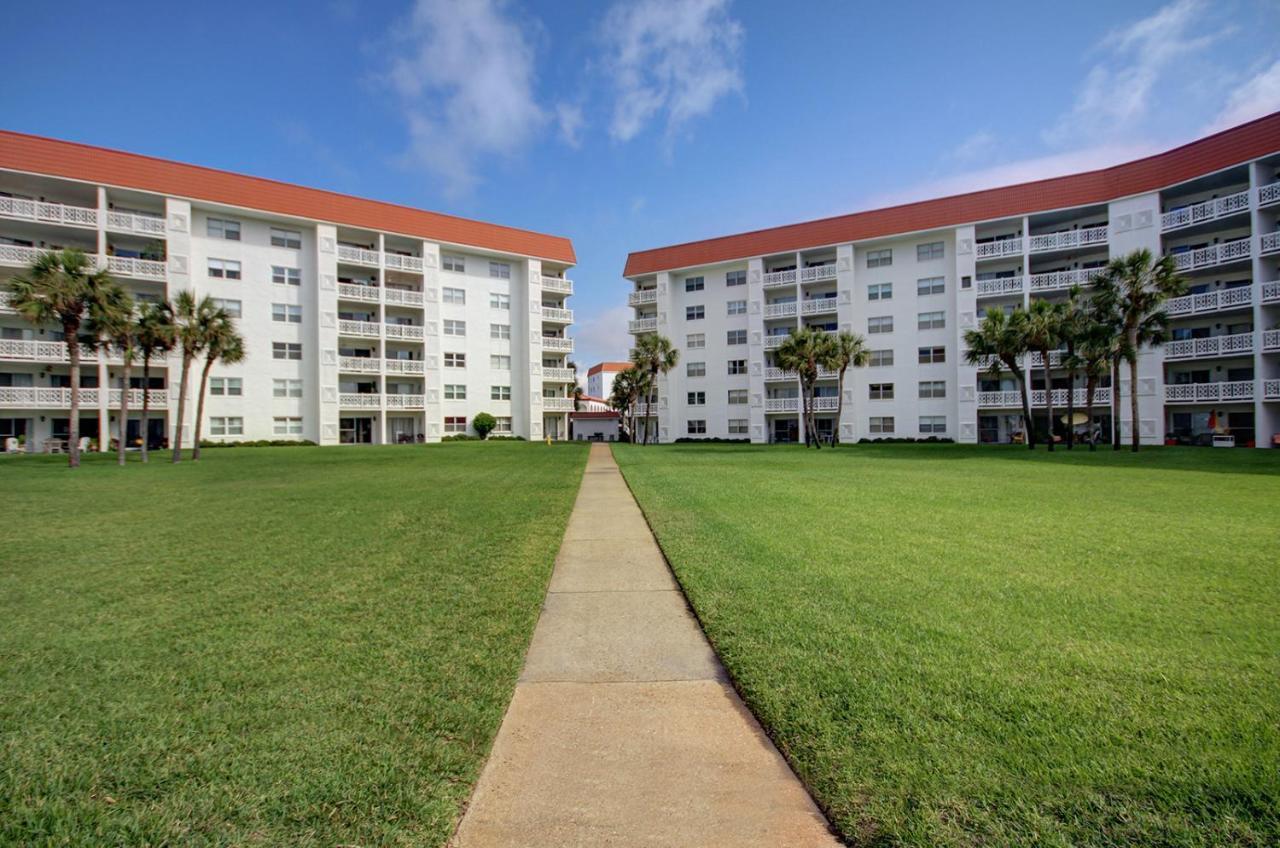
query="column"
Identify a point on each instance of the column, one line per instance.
(324, 388)
(965, 406)
(668, 384)
(755, 340)
(526, 319)
(432, 384)
(1266, 416)
(847, 318)
(1134, 224)
(178, 223)
(382, 338)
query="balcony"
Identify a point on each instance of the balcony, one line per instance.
(555, 315)
(1271, 341)
(5, 308)
(402, 262)
(1271, 292)
(774, 375)
(1208, 257)
(999, 249)
(1061, 280)
(557, 404)
(774, 342)
(355, 291)
(780, 310)
(777, 279)
(818, 273)
(359, 364)
(1209, 210)
(1269, 243)
(1232, 345)
(36, 398)
(820, 404)
(643, 297)
(405, 401)
(1214, 301)
(404, 331)
(139, 269)
(142, 225)
(1069, 239)
(20, 209)
(818, 306)
(1001, 286)
(402, 297)
(363, 329)
(642, 325)
(403, 366)
(1238, 390)
(557, 284)
(1013, 400)
(557, 375)
(1271, 389)
(19, 350)
(19, 256)
(1269, 195)
(557, 344)
(359, 400)
(357, 256)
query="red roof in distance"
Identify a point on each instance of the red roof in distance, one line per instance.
(608, 366)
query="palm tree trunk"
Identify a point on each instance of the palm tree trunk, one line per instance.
(204, 382)
(1115, 403)
(813, 415)
(146, 403)
(1028, 426)
(835, 433)
(1071, 407)
(71, 332)
(182, 407)
(124, 410)
(1048, 397)
(1133, 401)
(1090, 384)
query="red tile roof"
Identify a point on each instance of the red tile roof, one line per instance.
(53, 157)
(1230, 147)
(608, 366)
(610, 414)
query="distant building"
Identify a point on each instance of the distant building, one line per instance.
(595, 426)
(600, 377)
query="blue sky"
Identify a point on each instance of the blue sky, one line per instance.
(627, 125)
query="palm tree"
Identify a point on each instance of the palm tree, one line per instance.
(155, 336)
(1140, 284)
(804, 351)
(1040, 326)
(999, 337)
(846, 349)
(1075, 323)
(192, 322)
(654, 354)
(577, 397)
(120, 332)
(61, 287)
(223, 344)
(623, 396)
(1094, 354)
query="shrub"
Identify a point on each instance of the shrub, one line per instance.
(716, 440)
(483, 424)
(460, 437)
(259, 443)
(907, 440)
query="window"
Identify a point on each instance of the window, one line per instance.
(286, 388)
(966, 282)
(286, 312)
(931, 285)
(735, 278)
(286, 426)
(880, 358)
(219, 426)
(453, 262)
(736, 337)
(880, 258)
(881, 391)
(695, 313)
(931, 320)
(455, 328)
(695, 341)
(226, 386)
(455, 391)
(737, 396)
(500, 270)
(695, 369)
(737, 426)
(503, 425)
(223, 228)
(499, 331)
(697, 399)
(499, 393)
(286, 238)
(453, 295)
(933, 423)
(933, 388)
(697, 426)
(455, 360)
(282, 275)
(226, 269)
(286, 350)
(455, 424)
(499, 362)
(881, 424)
(498, 300)
(693, 284)
(231, 307)
(880, 291)
(882, 324)
(933, 354)
(929, 250)
(737, 307)
(737, 366)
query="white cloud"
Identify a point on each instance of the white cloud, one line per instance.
(466, 76)
(979, 145)
(569, 118)
(1258, 96)
(669, 60)
(1116, 94)
(602, 336)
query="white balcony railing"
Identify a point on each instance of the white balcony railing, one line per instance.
(780, 310)
(998, 249)
(1084, 237)
(1207, 257)
(1056, 280)
(774, 342)
(144, 225)
(359, 400)
(405, 401)
(355, 291)
(557, 344)
(142, 269)
(557, 284)
(20, 350)
(640, 298)
(1269, 243)
(1232, 345)
(400, 262)
(4, 303)
(1235, 390)
(1271, 389)
(403, 331)
(403, 366)
(782, 404)
(1195, 304)
(1271, 340)
(159, 399)
(557, 315)
(1271, 292)
(774, 279)
(1035, 360)
(818, 273)
(18, 255)
(357, 255)
(365, 329)
(557, 375)
(359, 364)
(47, 213)
(1013, 399)
(1269, 194)
(774, 375)
(642, 325)
(1208, 210)
(818, 306)
(557, 404)
(42, 398)
(1001, 286)
(402, 297)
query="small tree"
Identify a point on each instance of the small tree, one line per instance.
(848, 349)
(654, 355)
(155, 338)
(223, 344)
(999, 338)
(483, 424)
(804, 351)
(193, 321)
(623, 397)
(1041, 329)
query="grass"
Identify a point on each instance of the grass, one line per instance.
(297, 646)
(961, 646)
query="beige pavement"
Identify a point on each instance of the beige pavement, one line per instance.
(623, 729)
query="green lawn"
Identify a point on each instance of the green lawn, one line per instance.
(297, 646)
(964, 646)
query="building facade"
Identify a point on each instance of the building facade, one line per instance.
(600, 377)
(364, 322)
(912, 279)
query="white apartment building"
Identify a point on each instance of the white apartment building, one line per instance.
(912, 279)
(600, 378)
(365, 322)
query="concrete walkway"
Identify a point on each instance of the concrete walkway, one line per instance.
(623, 729)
